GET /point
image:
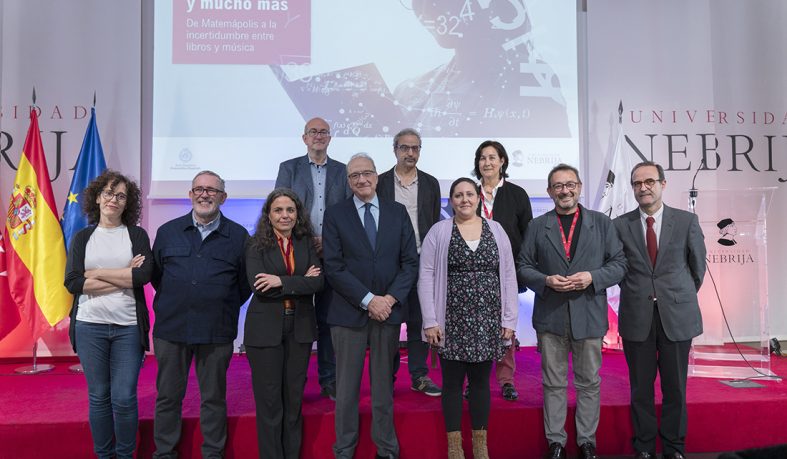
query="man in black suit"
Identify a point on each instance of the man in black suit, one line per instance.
(659, 311)
(419, 192)
(319, 182)
(372, 263)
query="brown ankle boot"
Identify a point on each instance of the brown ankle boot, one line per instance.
(455, 445)
(479, 445)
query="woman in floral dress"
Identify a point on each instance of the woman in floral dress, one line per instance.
(468, 292)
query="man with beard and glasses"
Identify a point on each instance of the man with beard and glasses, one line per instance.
(200, 281)
(569, 257)
(419, 192)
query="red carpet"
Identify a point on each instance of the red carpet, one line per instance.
(46, 415)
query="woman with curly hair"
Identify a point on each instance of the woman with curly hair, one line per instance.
(284, 272)
(108, 264)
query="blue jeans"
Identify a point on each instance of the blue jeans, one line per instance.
(111, 356)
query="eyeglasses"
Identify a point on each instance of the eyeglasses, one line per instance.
(648, 183)
(355, 176)
(405, 148)
(211, 191)
(568, 186)
(315, 132)
(109, 195)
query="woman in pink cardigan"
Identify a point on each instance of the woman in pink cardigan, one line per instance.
(468, 292)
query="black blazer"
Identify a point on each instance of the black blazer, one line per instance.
(75, 278)
(512, 210)
(354, 268)
(428, 198)
(265, 315)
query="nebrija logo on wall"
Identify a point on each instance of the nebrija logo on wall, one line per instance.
(21, 216)
(729, 250)
(727, 230)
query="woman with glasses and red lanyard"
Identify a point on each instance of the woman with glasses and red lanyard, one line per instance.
(284, 272)
(108, 264)
(509, 205)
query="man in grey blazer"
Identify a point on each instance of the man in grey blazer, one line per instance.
(569, 257)
(319, 182)
(659, 311)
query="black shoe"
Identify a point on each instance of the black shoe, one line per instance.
(556, 451)
(425, 385)
(587, 451)
(644, 455)
(509, 392)
(675, 455)
(329, 390)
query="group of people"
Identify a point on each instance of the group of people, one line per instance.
(343, 257)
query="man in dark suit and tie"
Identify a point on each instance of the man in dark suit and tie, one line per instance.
(659, 311)
(419, 192)
(569, 257)
(372, 264)
(319, 182)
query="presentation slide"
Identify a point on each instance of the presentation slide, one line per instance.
(236, 80)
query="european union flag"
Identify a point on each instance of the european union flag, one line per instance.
(90, 164)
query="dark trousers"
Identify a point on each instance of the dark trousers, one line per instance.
(278, 374)
(417, 349)
(350, 344)
(454, 373)
(211, 362)
(326, 359)
(671, 360)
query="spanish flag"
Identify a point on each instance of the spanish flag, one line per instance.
(35, 252)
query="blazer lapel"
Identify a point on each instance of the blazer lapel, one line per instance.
(583, 244)
(635, 227)
(274, 260)
(301, 248)
(667, 226)
(335, 176)
(304, 175)
(357, 224)
(553, 235)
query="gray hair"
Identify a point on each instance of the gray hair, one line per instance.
(361, 156)
(207, 172)
(404, 132)
(658, 167)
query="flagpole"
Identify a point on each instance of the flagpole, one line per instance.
(35, 368)
(77, 367)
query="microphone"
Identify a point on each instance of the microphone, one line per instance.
(693, 191)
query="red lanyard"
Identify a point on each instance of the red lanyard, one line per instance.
(567, 242)
(289, 259)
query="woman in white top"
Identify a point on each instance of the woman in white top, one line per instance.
(108, 264)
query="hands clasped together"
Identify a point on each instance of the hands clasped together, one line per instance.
(576, 281)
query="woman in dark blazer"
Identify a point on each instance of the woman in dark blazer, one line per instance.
(509, 205)
(284, 271)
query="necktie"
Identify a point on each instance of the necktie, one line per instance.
(650, 238)
(369, 226)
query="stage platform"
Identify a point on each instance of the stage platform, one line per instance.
(46, 415)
